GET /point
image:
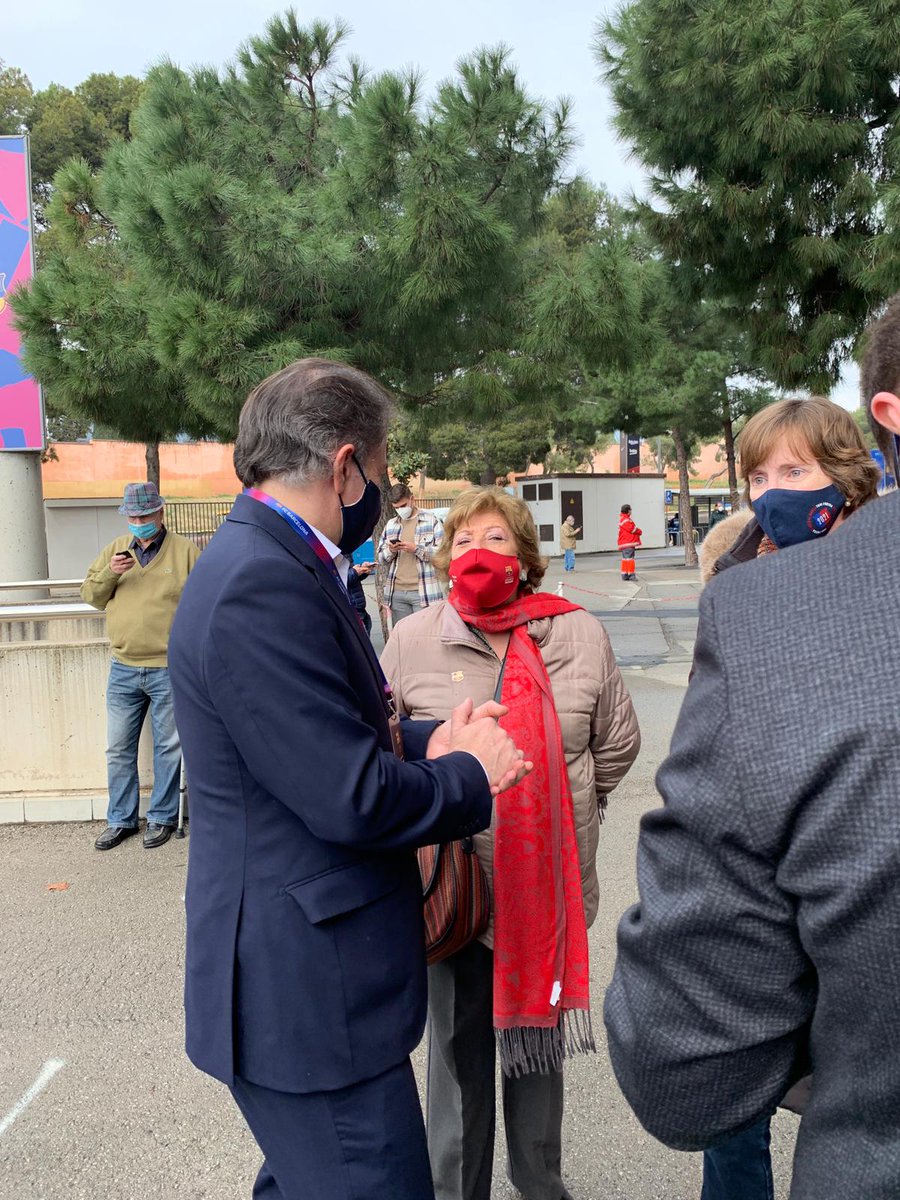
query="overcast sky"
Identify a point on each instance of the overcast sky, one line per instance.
(63, 41)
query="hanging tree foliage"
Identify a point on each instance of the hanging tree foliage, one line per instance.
(681, 389)
(84, 325)
(294, 205)
(770, 132)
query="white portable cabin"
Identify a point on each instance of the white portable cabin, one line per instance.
(595, 502)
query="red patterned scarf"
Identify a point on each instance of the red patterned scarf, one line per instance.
(541, 971)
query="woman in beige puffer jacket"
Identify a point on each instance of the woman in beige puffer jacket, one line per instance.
(434, 661)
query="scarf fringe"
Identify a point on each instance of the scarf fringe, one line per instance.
(528, 1049)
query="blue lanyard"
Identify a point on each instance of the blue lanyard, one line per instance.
(301, 528)
(304, 531)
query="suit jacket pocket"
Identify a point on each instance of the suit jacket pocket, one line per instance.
(344, 889)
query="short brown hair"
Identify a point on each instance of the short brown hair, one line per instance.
(821, 428)
(880, 370)
(399, 492)
(515, 513)
(294, 422)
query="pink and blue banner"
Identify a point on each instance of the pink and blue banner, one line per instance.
(21, 410)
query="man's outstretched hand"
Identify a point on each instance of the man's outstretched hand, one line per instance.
(476, 731)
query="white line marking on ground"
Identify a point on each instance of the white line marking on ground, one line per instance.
(48, 1070)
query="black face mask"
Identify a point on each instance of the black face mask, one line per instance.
(359, 519)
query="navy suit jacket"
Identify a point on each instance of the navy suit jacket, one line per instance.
(305, 943)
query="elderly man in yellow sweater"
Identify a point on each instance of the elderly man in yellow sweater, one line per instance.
(138, 580)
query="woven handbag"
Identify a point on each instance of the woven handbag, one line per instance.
(456, 895)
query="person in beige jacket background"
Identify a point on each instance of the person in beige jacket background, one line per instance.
(434, 660)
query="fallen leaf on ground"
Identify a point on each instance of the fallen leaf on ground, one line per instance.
(62, 886)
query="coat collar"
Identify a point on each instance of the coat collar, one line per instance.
(454, 629)
(247, 511)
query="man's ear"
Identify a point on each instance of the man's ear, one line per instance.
(885, 408)
(344, 467)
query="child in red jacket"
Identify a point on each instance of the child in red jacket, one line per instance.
(629, 540)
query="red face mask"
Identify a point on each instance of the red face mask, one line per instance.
(483, 579)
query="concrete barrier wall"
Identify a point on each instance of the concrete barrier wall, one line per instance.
(53, 716)
(77, 530)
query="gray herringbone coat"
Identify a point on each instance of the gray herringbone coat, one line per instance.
(769, 921)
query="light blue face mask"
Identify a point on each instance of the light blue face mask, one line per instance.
(147, 530)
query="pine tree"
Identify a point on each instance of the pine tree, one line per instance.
(84, 326)
(680, 390)
(770, 130)
(65, 123)
(293, 205)
(296, 206)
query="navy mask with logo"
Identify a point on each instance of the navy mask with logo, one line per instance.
(789, 518)
(359, 519)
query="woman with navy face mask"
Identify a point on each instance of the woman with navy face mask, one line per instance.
(521, 991)
(806, 470)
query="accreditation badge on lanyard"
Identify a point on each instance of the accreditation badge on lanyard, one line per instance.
(393, 720)
(301, 528)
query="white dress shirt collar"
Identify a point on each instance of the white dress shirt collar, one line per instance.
(340, 560)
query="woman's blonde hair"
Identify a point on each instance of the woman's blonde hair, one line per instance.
(517, 516)
(818, 427)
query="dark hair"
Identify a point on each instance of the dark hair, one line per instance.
(293, 423)
(626, 508)
(880, 371)
(824, 430)
(399, 492)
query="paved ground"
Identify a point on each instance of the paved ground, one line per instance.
(90, 977)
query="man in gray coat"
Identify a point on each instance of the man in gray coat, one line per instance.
(767, 939)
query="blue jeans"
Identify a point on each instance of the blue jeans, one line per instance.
(130, 691)
(741, 1168)
(569, 557)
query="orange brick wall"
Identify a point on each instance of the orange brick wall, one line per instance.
(190, 471)
(199, 470)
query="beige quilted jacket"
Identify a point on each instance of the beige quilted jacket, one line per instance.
(434, 661)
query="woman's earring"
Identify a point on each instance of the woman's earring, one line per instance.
(523, 575)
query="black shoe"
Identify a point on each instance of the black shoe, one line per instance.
(111, 836)
(157, 835)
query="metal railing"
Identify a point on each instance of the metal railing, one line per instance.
(676, 537)
(435, 502)
(197, 519)
(22, 584)
(48, 610)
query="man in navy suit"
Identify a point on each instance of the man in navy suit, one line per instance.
(305, 988)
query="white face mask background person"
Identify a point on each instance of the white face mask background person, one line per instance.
(406, 549)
